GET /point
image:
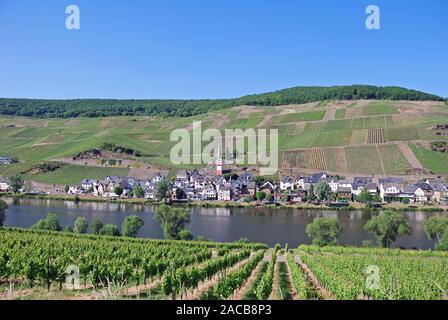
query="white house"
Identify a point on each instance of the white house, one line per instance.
(372, 188)
(389, 190)
(88, 184)
(98, 190)
(157, 178)
(179, 183)
(77, 190)
(333, 185)
(183, 175)
(150, 185)
(304, 183)
(209, 192)
(417, 193)
(356, 191)
(150, 194)
(440, 191)
(199, 184)
(224, 193)
(287, 183)
(4, 186)
(420, 195)
(111, 195)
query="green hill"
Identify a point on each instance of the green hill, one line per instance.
(184, 108)
(342, 136)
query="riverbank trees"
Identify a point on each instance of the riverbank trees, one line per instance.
(16, 183)
(173, 221)
(388, 226)
(437, 229)
(131, 226)
(50, 223)
(324, 231)
(81, 225)
(3, 207)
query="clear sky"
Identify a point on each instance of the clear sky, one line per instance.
(217, 48)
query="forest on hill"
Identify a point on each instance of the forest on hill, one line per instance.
(91, 108)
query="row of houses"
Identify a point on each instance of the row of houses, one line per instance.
(393, 189)
(202, 185)
(389, 189)
(4, 185)
(192, 185)
(107, 187)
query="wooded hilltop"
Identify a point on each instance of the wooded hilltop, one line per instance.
(40, 108)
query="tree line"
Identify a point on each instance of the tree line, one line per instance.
(173, 221)
(386, 227)
(93, 108)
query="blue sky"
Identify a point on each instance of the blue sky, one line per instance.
(217, 48)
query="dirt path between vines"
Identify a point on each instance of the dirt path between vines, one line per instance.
(410, 156)
(265, 121)
(207, 285)
(127, 292)
(275, 294)
(381, 160)
(244, 290)
(294, 293)
(330, 114)
(322, 291)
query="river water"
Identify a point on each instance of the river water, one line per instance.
(264, 225)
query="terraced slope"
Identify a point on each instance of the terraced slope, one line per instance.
(359, 137)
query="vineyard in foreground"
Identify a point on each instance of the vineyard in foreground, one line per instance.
(124, 268)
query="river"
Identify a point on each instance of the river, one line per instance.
(264, 225)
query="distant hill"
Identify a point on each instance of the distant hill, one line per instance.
(346, 137)
(184, 108)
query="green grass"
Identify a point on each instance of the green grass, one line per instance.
(363, 160)
(401, 134)
(393, 159)
(435, 161)
(337, 125)
(249, 123)
(284, 285)
(72, 175)
(358, 137)
(357, 123)
(379, 108)
(374, 122)
(300, 141)
(14, 169)
(340, 113)
(333, 139)
(300, 117)
(250, 295)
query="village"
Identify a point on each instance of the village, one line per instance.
(219, 185)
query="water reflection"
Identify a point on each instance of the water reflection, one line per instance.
(267, 225)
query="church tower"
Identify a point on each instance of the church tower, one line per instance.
(219, 163)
